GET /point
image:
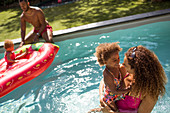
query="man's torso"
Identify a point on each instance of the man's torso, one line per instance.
(32, 18)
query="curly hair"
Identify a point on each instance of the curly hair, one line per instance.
(8, 44)
(104, 50)
(150, 78)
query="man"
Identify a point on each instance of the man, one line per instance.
(34, 16)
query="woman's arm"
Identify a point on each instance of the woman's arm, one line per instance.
(123, 71)
(106, 109)
(147, 104)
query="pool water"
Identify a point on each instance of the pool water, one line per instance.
(70, 84)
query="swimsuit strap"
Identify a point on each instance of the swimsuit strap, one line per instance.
(113, 74)
(126, 76)
(110, 72)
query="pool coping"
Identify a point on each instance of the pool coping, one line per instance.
(112, 22)
(103, 23)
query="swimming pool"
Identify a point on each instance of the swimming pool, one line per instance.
(71, 83)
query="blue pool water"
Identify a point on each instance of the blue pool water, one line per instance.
(70, 84)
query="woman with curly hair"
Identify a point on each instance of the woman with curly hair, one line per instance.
(150, 80)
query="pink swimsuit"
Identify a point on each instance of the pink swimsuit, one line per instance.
(129, 104)
(12, 56)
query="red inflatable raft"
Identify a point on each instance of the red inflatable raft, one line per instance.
(39, 58)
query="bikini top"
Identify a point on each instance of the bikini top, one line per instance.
(117, 81)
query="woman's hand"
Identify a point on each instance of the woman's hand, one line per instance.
(101, 100)
(105, 108)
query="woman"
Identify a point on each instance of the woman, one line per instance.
(150, 79)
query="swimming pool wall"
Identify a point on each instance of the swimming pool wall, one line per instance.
(107, 26)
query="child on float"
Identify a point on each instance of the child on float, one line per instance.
(10, 56)
(108, 54)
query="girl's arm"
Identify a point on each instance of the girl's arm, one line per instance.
(101, 89)
(108, 80)
(147, 104)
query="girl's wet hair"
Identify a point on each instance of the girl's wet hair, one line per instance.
(104, 50)
(150, 78)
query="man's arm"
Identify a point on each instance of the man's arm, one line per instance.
(23, 29)
(42, 21)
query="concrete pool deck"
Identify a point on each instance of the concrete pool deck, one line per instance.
(107, 26)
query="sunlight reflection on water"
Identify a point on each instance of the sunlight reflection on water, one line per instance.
(70, 84)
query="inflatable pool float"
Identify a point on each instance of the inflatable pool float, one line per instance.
(39, 58)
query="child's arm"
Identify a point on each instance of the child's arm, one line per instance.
(101, 89)
(22, 55)
(108, 80)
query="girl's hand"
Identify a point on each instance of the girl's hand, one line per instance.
(16, 61)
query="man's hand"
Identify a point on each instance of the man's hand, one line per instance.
(22, 43)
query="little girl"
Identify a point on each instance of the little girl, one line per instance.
(10, 56)
(108, 54)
